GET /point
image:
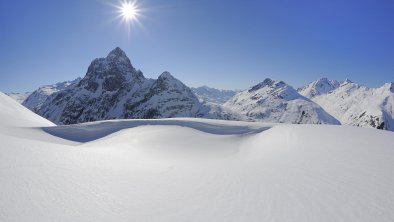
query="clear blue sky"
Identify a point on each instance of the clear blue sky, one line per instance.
(222, 43)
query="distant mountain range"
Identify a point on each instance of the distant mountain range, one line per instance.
(212, 95)
(275, 101)
(354, 104)
(112, 88)
(19, 97)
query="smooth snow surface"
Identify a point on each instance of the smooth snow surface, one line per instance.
(192, 170)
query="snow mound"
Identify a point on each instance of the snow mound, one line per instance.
(192, 170)
(199, 170)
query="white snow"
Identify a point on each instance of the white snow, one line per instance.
(275, 101)
(191, 170)
(318, 87)
(358, 105)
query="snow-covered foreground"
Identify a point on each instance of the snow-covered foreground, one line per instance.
(191, 170)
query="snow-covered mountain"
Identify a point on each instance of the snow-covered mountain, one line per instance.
(212, 95)
(358, 105)
(35, 100)
(113, 89)
(19, 97)
(275, 101)
(318, 87)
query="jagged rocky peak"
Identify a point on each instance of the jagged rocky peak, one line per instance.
(346, 81)
(322, 82)
(111, 73)
(166, 76)
(113, 88)
(117, 53)
(389, 86)
(166, 81)
(267, 82)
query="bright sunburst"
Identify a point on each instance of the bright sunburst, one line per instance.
(129, 11)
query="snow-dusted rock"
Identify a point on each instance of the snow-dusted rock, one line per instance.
(35, 100)
(167, 97)
(275, 101)
(114, 89)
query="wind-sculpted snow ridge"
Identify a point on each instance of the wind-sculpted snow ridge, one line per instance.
(275, 101)
(92, 131)
(358, 105)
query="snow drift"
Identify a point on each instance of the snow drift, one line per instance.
(191, 170)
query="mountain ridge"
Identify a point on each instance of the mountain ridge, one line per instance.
(112, 88)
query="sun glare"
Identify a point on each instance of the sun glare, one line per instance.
(129, 11)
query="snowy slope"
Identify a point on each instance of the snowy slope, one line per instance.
(35, 100)
(318, 87)
(14, 114)
(212, 95)
(19, 97)
(275, 101)
(358, 105)
(192, 170)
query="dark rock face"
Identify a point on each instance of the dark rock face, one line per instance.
(169, 97)
(112, 88)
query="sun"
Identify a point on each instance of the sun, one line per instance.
(129, 11)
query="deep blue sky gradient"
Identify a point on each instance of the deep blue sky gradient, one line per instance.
(230, 44)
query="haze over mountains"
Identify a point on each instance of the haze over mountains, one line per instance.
(113, 89)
